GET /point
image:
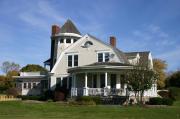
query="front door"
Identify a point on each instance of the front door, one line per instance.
(113, 80)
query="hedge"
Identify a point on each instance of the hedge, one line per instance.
(87, 99)
(160, 101)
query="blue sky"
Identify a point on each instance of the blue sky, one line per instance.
(139, 25)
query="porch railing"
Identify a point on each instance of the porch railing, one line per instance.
(96, 91)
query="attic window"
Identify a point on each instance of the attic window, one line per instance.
(88, 44)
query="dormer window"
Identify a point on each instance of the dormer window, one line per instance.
(103, 57)
(72, 60)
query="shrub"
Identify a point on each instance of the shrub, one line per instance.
(47, 95)
(12, 91)
(89, 99)
(29, 97)
(164, 94)
(160, 101)
(59, 92)
(167, 101)
(174, 93)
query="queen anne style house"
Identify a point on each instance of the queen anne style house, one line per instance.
(89, 67)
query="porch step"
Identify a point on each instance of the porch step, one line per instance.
(113, 100)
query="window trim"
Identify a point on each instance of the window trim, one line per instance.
(104, 52)
(72, 60)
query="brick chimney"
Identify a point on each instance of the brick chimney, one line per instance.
(112, 41)
(55, 29)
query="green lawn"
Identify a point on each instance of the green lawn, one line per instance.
(21, 110)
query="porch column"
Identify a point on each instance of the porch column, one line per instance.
(74, 80)
(61, 81)
(106, 88)
(85, 91)
(53, 82)
(106, 79)
(85, 80)
(73, 89)
(118, 84)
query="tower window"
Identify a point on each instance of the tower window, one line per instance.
(74, 40)
(61, 40)
(68, 40)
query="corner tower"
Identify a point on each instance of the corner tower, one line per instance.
(61, 38)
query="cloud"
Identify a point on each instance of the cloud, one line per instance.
(172, 57)
(41, 15)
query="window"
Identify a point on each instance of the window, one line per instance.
(88, 44)
(68, 40)
(100, 57)
(69, 60)
(24, 85)
(72, 60)
(29, 85)
(75, 60)
(74, 40)
(61, 40)
(34, 85)
(103, 57)
(106, 57)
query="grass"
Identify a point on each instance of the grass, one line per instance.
(21, 110)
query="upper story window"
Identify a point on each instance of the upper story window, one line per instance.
(75, 60)
(100, 57)
(87, 44)
(69, 60)
(72, 60)
(61, 40)
(74, 40)
(68, 40)
(103, 57)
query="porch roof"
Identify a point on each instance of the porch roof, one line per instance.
(102, 66)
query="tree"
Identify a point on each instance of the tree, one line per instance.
(160, 67)
(33, 68)
(140, 79)
(174, 79)
(9, 66)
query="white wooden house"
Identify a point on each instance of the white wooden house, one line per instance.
(88, 66)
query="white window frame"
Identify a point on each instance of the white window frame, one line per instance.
(103, 52)
(72, 59)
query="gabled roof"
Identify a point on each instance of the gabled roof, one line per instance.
(144, 56)
(69, 27)
(119, 53)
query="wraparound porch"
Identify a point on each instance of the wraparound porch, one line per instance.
(98, 84)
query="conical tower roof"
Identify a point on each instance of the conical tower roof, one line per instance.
(69, 27)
